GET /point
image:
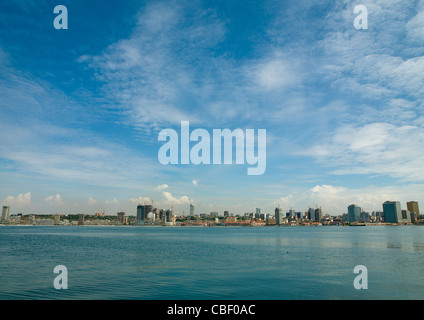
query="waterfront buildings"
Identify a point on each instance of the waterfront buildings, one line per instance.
(81, 219)
(5, 213)
(56, 219)
(279, 219)
(143, 211)
(393, 212)
(364, 217)
(354, 213)
(318, 215)
(140, 212)
(311, 214)
(146, 214)
(412, 207)
(121, 217)
(168, 215)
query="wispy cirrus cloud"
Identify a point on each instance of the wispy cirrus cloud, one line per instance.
(35, 152)
(46, 133)
(379, 132)
(335, 101)
(376, 63)
(156, 71)
(375, 148)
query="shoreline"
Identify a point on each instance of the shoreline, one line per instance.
(212, 226)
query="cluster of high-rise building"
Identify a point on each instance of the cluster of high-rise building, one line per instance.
(312, 215)
(392, 213)
(148, 214)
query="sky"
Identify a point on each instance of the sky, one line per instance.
(81, 108)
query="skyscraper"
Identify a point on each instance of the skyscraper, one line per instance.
(191, 210)
(81, 219)
(143, 211)
(318, 214)
(278, 216)
(5, 212)
(56, 218)
(121, 217)
(140, 212)
(354, 213)
(168, 215)
(147, 209)
(412, 206)
(311, 214)
(392, 212)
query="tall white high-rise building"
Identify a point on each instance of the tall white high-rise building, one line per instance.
(5, 212)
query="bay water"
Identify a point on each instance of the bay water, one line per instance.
(211, 263)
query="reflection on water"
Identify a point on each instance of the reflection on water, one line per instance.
(211, 263)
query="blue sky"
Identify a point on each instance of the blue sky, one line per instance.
(81, 108)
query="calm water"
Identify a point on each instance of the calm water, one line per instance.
(167, 263)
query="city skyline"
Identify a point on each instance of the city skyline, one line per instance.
(56, 204)
(82, 108)
(353, 212)
(392, 214)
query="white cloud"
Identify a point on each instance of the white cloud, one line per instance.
(378, 64)
(57, 199)
(194, 182)
(159, 64)
(415, 27)
(287, 201)
(114, 201)
(19, 200)
(38, 149)
(91, 201)
(277, 73)
(170, 199)
(336, 199)
(375, 148)
(161, 187)
(141, 200)
(42, 119)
